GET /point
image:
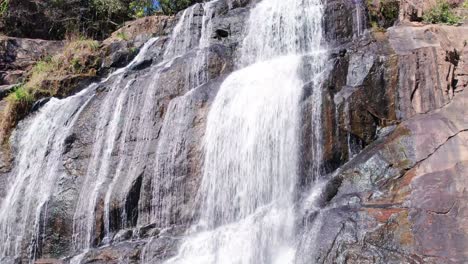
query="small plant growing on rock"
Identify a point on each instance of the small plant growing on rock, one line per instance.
(4, 7)
(20, 95)
(442, 13)
(383, 13)
(52, 76)
(121, 35)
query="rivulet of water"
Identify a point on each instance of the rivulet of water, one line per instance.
(36, 170)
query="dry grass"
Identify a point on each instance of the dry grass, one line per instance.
(80, 58)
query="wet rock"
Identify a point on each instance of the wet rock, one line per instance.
(123, 44)
(142, 65)
(37, 105)
(123, 235)
(148, 231)
(5, 90)
(408, 185)
(124, 252)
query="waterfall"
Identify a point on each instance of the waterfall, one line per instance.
(118, 107)
(182, 40)
(36, 173)
(123, 106)
(247, 194)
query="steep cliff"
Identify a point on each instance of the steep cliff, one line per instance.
(113, 173)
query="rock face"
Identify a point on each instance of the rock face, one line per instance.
(400, 199)
(395, 140)
(18, 55)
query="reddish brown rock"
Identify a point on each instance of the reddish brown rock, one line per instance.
(431, 68)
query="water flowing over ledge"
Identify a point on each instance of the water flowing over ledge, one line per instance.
(252, 141)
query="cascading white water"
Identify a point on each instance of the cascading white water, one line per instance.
(39, 166)
(37, 169)
(98, 173)
(183, 40)
(247, 211)
(118, 108)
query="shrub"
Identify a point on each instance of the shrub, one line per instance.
(171, 7)
(442, 13)
(142, 8)
(21, 95)
(122, 36)
(383, 14)
(4, 7)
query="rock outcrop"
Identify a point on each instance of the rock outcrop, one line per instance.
(18, 55)
(399, 198)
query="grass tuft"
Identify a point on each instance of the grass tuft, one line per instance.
(442, 13)
(79, 58)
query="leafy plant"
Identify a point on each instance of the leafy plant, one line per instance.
(133, 50)
(108, 7)
(121, 35)
(442, 13)
(4, 7)
(21, 94)
(383, 14)
(142, 8)
(170, 7)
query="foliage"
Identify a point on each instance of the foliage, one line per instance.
(465, 4)
(383, 14)
(4, 7)
(390, 10)
(80, 58)
(21, 95)
(171, 7)
(142, 8)
(108, 7)
(122, 36)
(442, 13)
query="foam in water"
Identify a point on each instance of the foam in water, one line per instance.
(252, 142)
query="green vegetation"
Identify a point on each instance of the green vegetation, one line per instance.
(142, 8)
(442, 13)
(20, 95)
(170, 7)
(121, 35)
(4, 6)
(133, 50)
(383, 14)
(465, 4)
(390, 10)
(108, 7)
(52, 76)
